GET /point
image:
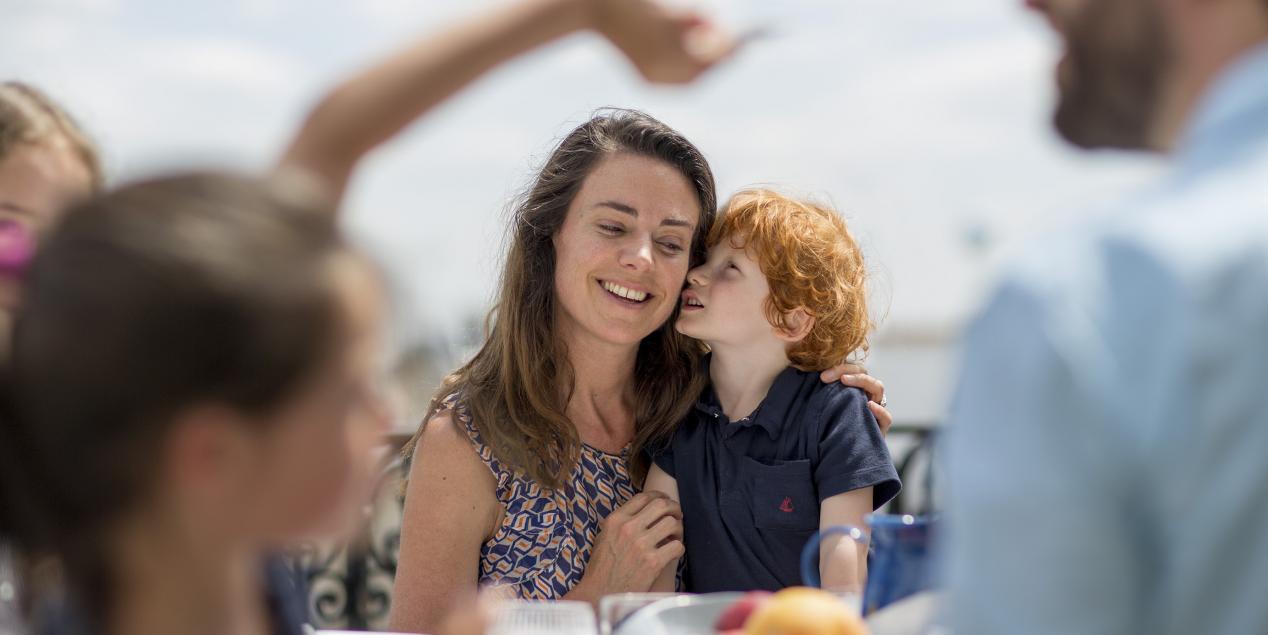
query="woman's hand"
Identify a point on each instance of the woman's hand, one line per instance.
(635, 543)
(665, 46)
(856, 376)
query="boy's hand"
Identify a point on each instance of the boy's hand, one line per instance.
(856, 376)
(665, 46)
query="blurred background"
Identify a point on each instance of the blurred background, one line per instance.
(925, 123)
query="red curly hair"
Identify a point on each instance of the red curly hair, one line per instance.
(810, 261)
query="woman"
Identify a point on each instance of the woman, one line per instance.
(525, 473)
(204, 414)
(46, 160)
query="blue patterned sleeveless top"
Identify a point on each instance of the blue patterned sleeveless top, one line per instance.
(543, 544)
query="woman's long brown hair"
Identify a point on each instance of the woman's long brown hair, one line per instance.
(28, 116)
(512, 387)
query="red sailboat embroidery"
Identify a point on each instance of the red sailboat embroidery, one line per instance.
(786, 506)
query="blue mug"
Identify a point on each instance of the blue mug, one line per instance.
(900, 559)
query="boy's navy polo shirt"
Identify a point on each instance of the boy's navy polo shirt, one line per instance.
(750, 490)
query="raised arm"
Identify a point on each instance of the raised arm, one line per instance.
(374, 105)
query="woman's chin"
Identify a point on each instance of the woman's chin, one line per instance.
(621, 335)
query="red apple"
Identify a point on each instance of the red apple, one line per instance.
(734, 617)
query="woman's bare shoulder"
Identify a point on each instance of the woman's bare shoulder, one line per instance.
(445, 452)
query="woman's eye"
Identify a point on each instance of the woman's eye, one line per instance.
(611, 229)
(673, 248)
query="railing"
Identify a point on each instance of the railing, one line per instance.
(350, 584)
(915, 452)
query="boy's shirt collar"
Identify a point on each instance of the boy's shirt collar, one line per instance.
(771, 413)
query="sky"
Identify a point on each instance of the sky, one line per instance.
(925, 123)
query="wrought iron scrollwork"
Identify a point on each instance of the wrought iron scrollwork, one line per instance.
(350, 583)
(919, 468)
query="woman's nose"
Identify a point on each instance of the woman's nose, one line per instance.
(637, 255)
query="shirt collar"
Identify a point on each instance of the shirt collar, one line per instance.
(770, 415)
(1233, 111)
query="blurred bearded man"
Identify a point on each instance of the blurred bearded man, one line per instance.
(1107, 440)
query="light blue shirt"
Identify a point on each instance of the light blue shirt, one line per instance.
(1108, 444)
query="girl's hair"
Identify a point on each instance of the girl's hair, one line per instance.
(28, 116)
(141, 303)
(810, 260)
(518, 385)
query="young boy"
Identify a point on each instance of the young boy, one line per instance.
(770, 453)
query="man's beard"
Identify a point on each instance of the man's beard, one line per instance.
(1111, 79)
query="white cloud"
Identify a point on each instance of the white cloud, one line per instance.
(19, 8)
(237, 67)
(410, 15)
(260, 10)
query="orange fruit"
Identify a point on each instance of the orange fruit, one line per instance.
(804, 611)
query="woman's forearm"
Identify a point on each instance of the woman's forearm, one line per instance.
(375, 105)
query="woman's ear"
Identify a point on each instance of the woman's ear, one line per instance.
(204, 443)
(798, 323)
